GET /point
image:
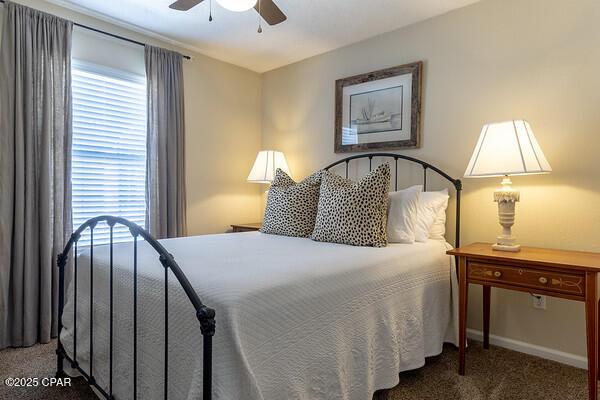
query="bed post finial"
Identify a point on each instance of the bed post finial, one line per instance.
(61, 260)
(206, 316)
(458, 184)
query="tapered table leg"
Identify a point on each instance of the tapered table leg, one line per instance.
(462, 313)
(487, 291)
(591, 318)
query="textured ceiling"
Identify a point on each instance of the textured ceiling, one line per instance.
(313, 26)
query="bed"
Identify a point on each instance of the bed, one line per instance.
(296, 319)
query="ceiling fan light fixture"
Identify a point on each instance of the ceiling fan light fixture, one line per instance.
(237, 5)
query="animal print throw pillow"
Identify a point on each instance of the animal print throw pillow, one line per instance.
(353, 213)
(292, 207)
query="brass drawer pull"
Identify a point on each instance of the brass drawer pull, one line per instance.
(497, 274)
(543, 280)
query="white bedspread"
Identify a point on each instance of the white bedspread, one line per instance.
(296, 319)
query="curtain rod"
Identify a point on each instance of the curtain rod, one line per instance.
(111, 34)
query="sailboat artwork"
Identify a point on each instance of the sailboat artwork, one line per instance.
(379, 110)
(376, 111)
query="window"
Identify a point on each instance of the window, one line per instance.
(109, 148)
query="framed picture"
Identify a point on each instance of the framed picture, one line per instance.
(379, 110)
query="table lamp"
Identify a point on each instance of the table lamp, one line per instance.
(505, 149)
(265, 165)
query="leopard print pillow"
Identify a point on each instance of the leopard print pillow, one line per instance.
(292, 207)
(353, 213)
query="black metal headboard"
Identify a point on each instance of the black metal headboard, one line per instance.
(425, 165)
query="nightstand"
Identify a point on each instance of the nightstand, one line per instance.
(246, 227)
(558, 273)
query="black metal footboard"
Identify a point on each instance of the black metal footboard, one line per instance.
(205, 315)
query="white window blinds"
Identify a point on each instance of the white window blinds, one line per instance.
(109, 148)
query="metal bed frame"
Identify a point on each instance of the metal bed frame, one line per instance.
(204, 314)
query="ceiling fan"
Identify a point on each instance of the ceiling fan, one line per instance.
(267, 9)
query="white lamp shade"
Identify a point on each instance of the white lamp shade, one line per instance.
(237, 5)
(507, 148)
(267, 162)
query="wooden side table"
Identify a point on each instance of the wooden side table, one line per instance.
(246, 227)
(558, 273)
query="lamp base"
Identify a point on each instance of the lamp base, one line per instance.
(506, 199)
(514, 248)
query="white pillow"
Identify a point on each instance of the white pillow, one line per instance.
(438, 229)
(431, 215)
(402, 214)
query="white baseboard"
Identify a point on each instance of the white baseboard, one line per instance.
(528, 348)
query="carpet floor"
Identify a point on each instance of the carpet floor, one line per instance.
(495, 374)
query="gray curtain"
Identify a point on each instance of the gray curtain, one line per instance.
(165, 165)
(35, 152)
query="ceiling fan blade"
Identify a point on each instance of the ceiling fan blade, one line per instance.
(270, 12)
(184, 5)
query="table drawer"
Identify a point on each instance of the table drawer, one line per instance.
(528, 277)
(238, 229)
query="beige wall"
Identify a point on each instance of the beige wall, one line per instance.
(495, 60)
(223, 137)
(222, 104)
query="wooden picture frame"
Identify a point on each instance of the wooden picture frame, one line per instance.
(379, 110)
